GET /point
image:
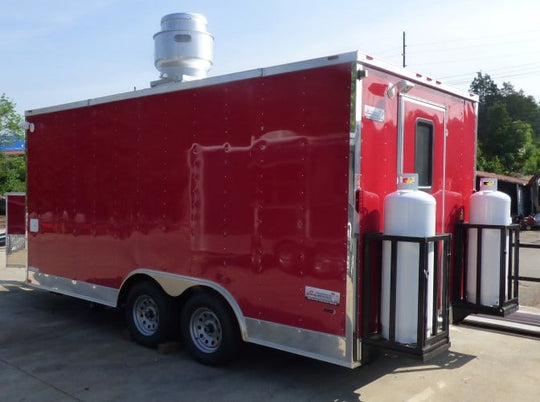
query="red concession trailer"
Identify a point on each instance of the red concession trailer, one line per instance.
(236, 207)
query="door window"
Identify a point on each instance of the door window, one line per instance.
(423, 155)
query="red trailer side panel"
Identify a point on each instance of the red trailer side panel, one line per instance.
(242, 183)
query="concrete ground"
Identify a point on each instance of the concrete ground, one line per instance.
(529, 266)
(56, 348)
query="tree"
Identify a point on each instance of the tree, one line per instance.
(507, 145)
(13, 168)
(12, 173)
(485, 88)
(524, 108)
(10, 122)
(488, 93)
(520, 150)
(508, 128)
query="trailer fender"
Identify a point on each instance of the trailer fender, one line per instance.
(175, 285)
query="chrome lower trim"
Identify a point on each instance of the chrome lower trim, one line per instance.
(317, 345)
(172, 284)
(82, 290)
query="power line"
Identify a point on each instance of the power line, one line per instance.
(505, 52)
(403, 54)
(527, 68)
(460, 40)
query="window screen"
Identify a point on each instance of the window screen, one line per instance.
(423, 153)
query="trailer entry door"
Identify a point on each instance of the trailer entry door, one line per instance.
(422, 147)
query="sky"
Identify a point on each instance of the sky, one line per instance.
(60, 51)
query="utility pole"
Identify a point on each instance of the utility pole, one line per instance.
(404, 46)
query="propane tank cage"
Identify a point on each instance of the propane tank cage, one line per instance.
(427, 345)
(508, 281)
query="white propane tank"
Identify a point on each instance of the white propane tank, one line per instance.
(488, 207)
(407, 212)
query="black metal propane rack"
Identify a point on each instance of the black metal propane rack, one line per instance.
(427, 345)
(508, 274)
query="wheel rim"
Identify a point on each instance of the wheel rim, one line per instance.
(146, 315)
(205, 330)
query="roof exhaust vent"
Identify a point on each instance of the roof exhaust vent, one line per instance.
(183, 49)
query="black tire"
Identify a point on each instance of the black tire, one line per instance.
(149, 314)
(209, 329)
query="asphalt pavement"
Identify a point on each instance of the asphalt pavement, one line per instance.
(56, 348)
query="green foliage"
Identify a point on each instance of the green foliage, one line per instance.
(13, 168)
(10, 129)
(508, 128)
(12, 173)
(484, 87)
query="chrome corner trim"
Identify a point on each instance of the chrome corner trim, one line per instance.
(353, 224)
(317, 345)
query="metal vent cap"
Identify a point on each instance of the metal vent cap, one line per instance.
(184, 48)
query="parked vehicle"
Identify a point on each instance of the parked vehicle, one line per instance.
(528, 223)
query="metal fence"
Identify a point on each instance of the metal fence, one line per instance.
(531, 246)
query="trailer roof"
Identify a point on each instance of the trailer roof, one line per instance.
(416, 77)
(349, 57)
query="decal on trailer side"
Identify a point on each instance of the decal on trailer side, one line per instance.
(322, 295)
